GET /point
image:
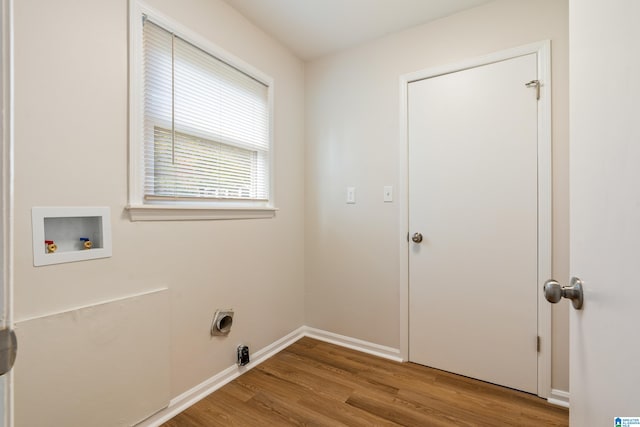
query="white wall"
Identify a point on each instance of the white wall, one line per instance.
(352, 135)
(120, 346)
(71, 149)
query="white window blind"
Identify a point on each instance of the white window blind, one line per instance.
(206, 124)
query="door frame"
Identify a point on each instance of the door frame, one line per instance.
(543, 51)
(6, 197)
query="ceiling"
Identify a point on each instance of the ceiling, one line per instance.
(313, 28)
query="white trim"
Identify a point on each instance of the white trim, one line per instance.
(180, 213)
(136, 103)
(202, 390)
(7, 170)
(545, 217)
(477, 62)
(543, 51)
(403, 221)
(138, 210)
(38, 215)
(355, 344)
(139, 7)
(559, 398)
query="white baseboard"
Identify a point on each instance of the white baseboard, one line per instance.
(202, 390)
(354, 344)
(559, 397)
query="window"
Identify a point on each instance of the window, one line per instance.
(200, 128)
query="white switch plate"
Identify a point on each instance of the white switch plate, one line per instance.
(351, 195)
(388, 193)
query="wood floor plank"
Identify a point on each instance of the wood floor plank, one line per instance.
(317, 383)
(313, 382)
(398, 411)
(249, 415)
(345, 414)
(470, 404)
(292, 411)
(357, 376)
(348, 379)
(236, 390)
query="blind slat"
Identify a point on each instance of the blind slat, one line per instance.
(206, 127)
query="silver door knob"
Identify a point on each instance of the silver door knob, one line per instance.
(553, 292)
(417, 237)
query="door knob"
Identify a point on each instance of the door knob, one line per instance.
(553, 292)
(417, 237)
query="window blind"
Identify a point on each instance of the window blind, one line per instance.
(206, 124)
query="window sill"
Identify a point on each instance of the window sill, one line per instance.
(196, 213)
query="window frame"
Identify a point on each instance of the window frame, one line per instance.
(138, 208)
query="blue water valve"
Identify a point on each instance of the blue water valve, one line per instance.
(86, 242)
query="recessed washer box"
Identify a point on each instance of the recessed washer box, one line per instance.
(70, 228)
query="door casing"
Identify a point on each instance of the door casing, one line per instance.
(543, 51)
(6, 198)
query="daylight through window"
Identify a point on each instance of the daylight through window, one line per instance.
(206, 124)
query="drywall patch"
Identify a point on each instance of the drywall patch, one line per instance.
(102, 365)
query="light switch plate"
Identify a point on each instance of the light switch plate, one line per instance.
(388, 193)
(351, 195)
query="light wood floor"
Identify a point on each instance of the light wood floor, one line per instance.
(315, 383)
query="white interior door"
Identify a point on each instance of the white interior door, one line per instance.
(605, 211)
(473, 195)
